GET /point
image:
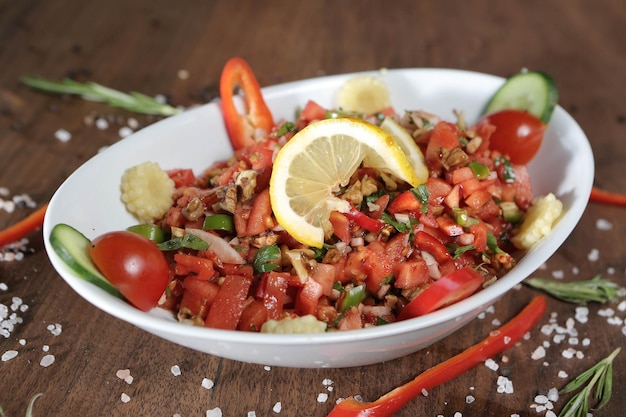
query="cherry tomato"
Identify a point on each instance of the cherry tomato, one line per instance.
(447, 290)
(518, 134)
(133, 264)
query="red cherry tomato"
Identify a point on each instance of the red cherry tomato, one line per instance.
(447, 290)
(133, 264)
(518, 134)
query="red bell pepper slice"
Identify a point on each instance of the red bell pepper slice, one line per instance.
(241, 127)
(23, 227)
(429, 243)
(606, 197)
(457, 285)
(363, 220)
(497, 342)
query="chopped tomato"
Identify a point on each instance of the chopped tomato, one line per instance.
(406, 201)
(518, 134)
(253, 316)
(260, 218)
(313, 111)
(410, 274)
(201, 268)
(182, 177)
(229, 303)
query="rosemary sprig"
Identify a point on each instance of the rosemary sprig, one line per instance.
(578, 292)
(29, 410)
(602, 374)
(135, 102)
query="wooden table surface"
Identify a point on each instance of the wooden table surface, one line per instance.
(177, 50)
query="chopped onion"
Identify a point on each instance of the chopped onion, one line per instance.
(222, 249)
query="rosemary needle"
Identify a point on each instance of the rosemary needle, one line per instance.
(135, 102)
(578, 292)
(602, 375)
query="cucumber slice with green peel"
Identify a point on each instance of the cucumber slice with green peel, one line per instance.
(71, 246)
(532, 91)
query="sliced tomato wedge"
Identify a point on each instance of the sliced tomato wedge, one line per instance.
(449, 289)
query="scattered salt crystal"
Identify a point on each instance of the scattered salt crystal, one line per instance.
(251, 413)
(55, 329)
(47, 360)
(458, 414)
(102, 123)
(326, 382)
(622, 306)
(122, 373)
(541, 399)
(132, 123)
(568, 353)
(586, 341)
(3, 286)
(610, 270)
(562, 374)
(45, 348)
(183, 74)
(8, 355)
(491, 364)
(207, 383)
(277, 407)
(603, 224)
(62, 135)
(558, 274)
(267, 368)
(496, 322)
(160, 98)
(606, 312)
(624, 330)
(505, 385)
(175, 370)
(322, 397)
(550, 413)
(538, 353)
(553, 394)
(424, 392)
(593, 255)
(125, 398)
(469, 399)
(615, 321)
(215, 412)
(125, 131)
(575, 270)
(507, 340)
(22, 342)
(572, 340)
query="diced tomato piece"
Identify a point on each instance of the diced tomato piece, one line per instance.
(182, 177)
(522, 188)
(453, 199)
(438, 189)
(363, 220)
(197, 296)
(427, 242)
(484, 129)
(406, 201)
(381, 205)
(236, 269)
(253, 316)
(470, 186)
(229, 303)
(444, 137)
(307, 298)
(275, 293)
(351, 320)
(478, 199)
(341, 226)
(313, 111)
(410, 274)
(488, 211)
(449, 226)
(228, 174)
(260, 215)
(462, 174)
(201, 268)
(397, 247)
(324, 274)
(480, 236)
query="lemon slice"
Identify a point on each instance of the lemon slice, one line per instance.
(408, 145)
(363, 94)
(310, 170)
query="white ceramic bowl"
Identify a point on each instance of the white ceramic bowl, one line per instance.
(89, 200)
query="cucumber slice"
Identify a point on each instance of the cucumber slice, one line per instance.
(71, 246)
(532, 91)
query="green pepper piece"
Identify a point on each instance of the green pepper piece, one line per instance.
(149, 231)
(219, 222)
(351, 298)
(480, 170)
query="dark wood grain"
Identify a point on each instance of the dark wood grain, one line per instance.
(142, 45)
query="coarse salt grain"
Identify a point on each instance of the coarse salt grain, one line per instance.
(45, 348)
(505, 385)
(125, 131)
(175, 370)
(267, 368)
(214, 412)
(125, 398)
(277, 407)
(46, 361)
(207, 383)
(593, 255)
(491, 364)
(558, 274)
(55, 329)
(538, 353)
(251, 413)
(102, 123)
(62, 135)
(562, 374)
(3, 286)
(8, 355)
(603, 224)
(322, 397)
(469, 399)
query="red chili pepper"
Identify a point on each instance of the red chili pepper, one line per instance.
(241, 127)
(607, 197)
(363, 220)
(497, 341)
(426, 241)
(23, 227)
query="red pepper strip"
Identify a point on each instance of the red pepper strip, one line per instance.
(497, 341)
(240, 127)
(363, 220)
(23, 227)
(607, 197)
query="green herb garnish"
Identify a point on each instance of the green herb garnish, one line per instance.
(266, 258)
(578, 292)
(422, 194)
(135, 102)
(600, 374)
